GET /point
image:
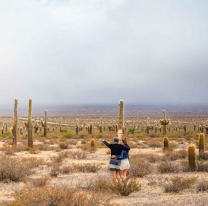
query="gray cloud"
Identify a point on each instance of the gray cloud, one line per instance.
(99, 51)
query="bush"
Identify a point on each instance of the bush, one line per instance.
(168, 167)
(175, 155)
(139, 166)
(16, 169)
(39, 182)
(90, 167)
(7, 134)
(202, 155)
(202, 185)
(54, 170)
(125, 187)
(63, 145)
(69, 135)
(177, 184)
(154, 144)
(57, 195)
(202, 166)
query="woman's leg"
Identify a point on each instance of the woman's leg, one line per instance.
(118, 175)
(121, 174)
(114, 175)
(124, 173)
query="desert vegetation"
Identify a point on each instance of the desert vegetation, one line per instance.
(62, 160)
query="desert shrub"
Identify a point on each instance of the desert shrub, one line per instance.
(175, 155)
(65, 169)
(83, 141)
(151, 157)
(202, 155)
(54, 170)
(39, 182)
(90, 167)
(7, 134)
(63, 145)
(43, 147)
(168, 167)
(154, 144)
(21, 148)
(72, 142)
(131, 130)
(16, 169)
(202, 166)
(177, 184)
(98, 184)
(59, 158)
(132, 145)
(57, 195)
(68, 135)
(202, 185)
(139, 166)
(63, 130)
(8, 151)
(78, 154)
(125, 187)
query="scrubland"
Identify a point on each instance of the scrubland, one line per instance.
(69, 168)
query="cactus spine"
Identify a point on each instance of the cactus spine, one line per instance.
(201, 142)
(121, 119)
(14, 129)
(29, 131)
(165, 143)
(45, 123)
(164, 122)
(192, 157)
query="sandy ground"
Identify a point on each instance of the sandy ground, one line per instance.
(149, 195)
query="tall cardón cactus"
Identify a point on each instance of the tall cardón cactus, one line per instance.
(201, 142)
(121, 119)
(29, 131)
(14, 129)
(192, 157)
(45, 123)
(164, 122)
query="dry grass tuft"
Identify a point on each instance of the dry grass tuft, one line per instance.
(16, 169)
(58, 195)
(177, 184)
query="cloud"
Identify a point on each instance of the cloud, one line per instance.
(99, 51)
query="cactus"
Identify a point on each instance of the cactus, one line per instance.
(21, 130)
(92, 143)
(201, 142)
(29, 131)
(148, 121)
(194, 127)
(14, 128)
(45, 123)
(36, 127)
(192, 157)
(77, 130)
(165, 143)
(206, 128)
(121, 119)
(101, 125)
(155, 130)
(147, 130)
(164, 122)
(184, 127)
(90, 129)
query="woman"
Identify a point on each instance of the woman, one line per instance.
(116, 149)
(124, 166)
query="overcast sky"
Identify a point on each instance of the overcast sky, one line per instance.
(101, 51)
